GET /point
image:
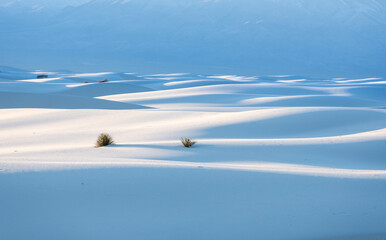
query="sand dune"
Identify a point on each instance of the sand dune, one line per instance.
(55, 101)
(244, 112)
(321, 140)
(97, 89)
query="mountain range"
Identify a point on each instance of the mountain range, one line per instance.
(301, 37)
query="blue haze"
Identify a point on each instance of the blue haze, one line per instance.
(301, 37)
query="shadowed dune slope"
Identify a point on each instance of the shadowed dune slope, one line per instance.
(56, 101)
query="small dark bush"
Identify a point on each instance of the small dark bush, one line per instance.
(102, 81)
(187, 142)
(104, 139)
(42, 76)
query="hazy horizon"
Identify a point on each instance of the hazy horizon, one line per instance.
(47, 3)
(299, 37)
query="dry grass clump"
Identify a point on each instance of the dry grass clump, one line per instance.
(187, 142)
(42, 76)
(104, 139)
(102, 81)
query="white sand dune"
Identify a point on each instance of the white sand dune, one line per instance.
(241, 166)
(237, 114)
(54, 101)
(357, 80)
(273, 152)
(40, 80)
(102, 89)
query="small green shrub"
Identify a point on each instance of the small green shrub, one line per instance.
(187, 142)
(104, 139)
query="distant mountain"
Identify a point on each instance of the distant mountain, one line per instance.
(34, 4)
(314, 37)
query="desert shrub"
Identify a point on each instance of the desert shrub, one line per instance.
(104, 139)
(187, 142)
(42, 76)
(102, 81)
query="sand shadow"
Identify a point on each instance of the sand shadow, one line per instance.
(58, 101)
